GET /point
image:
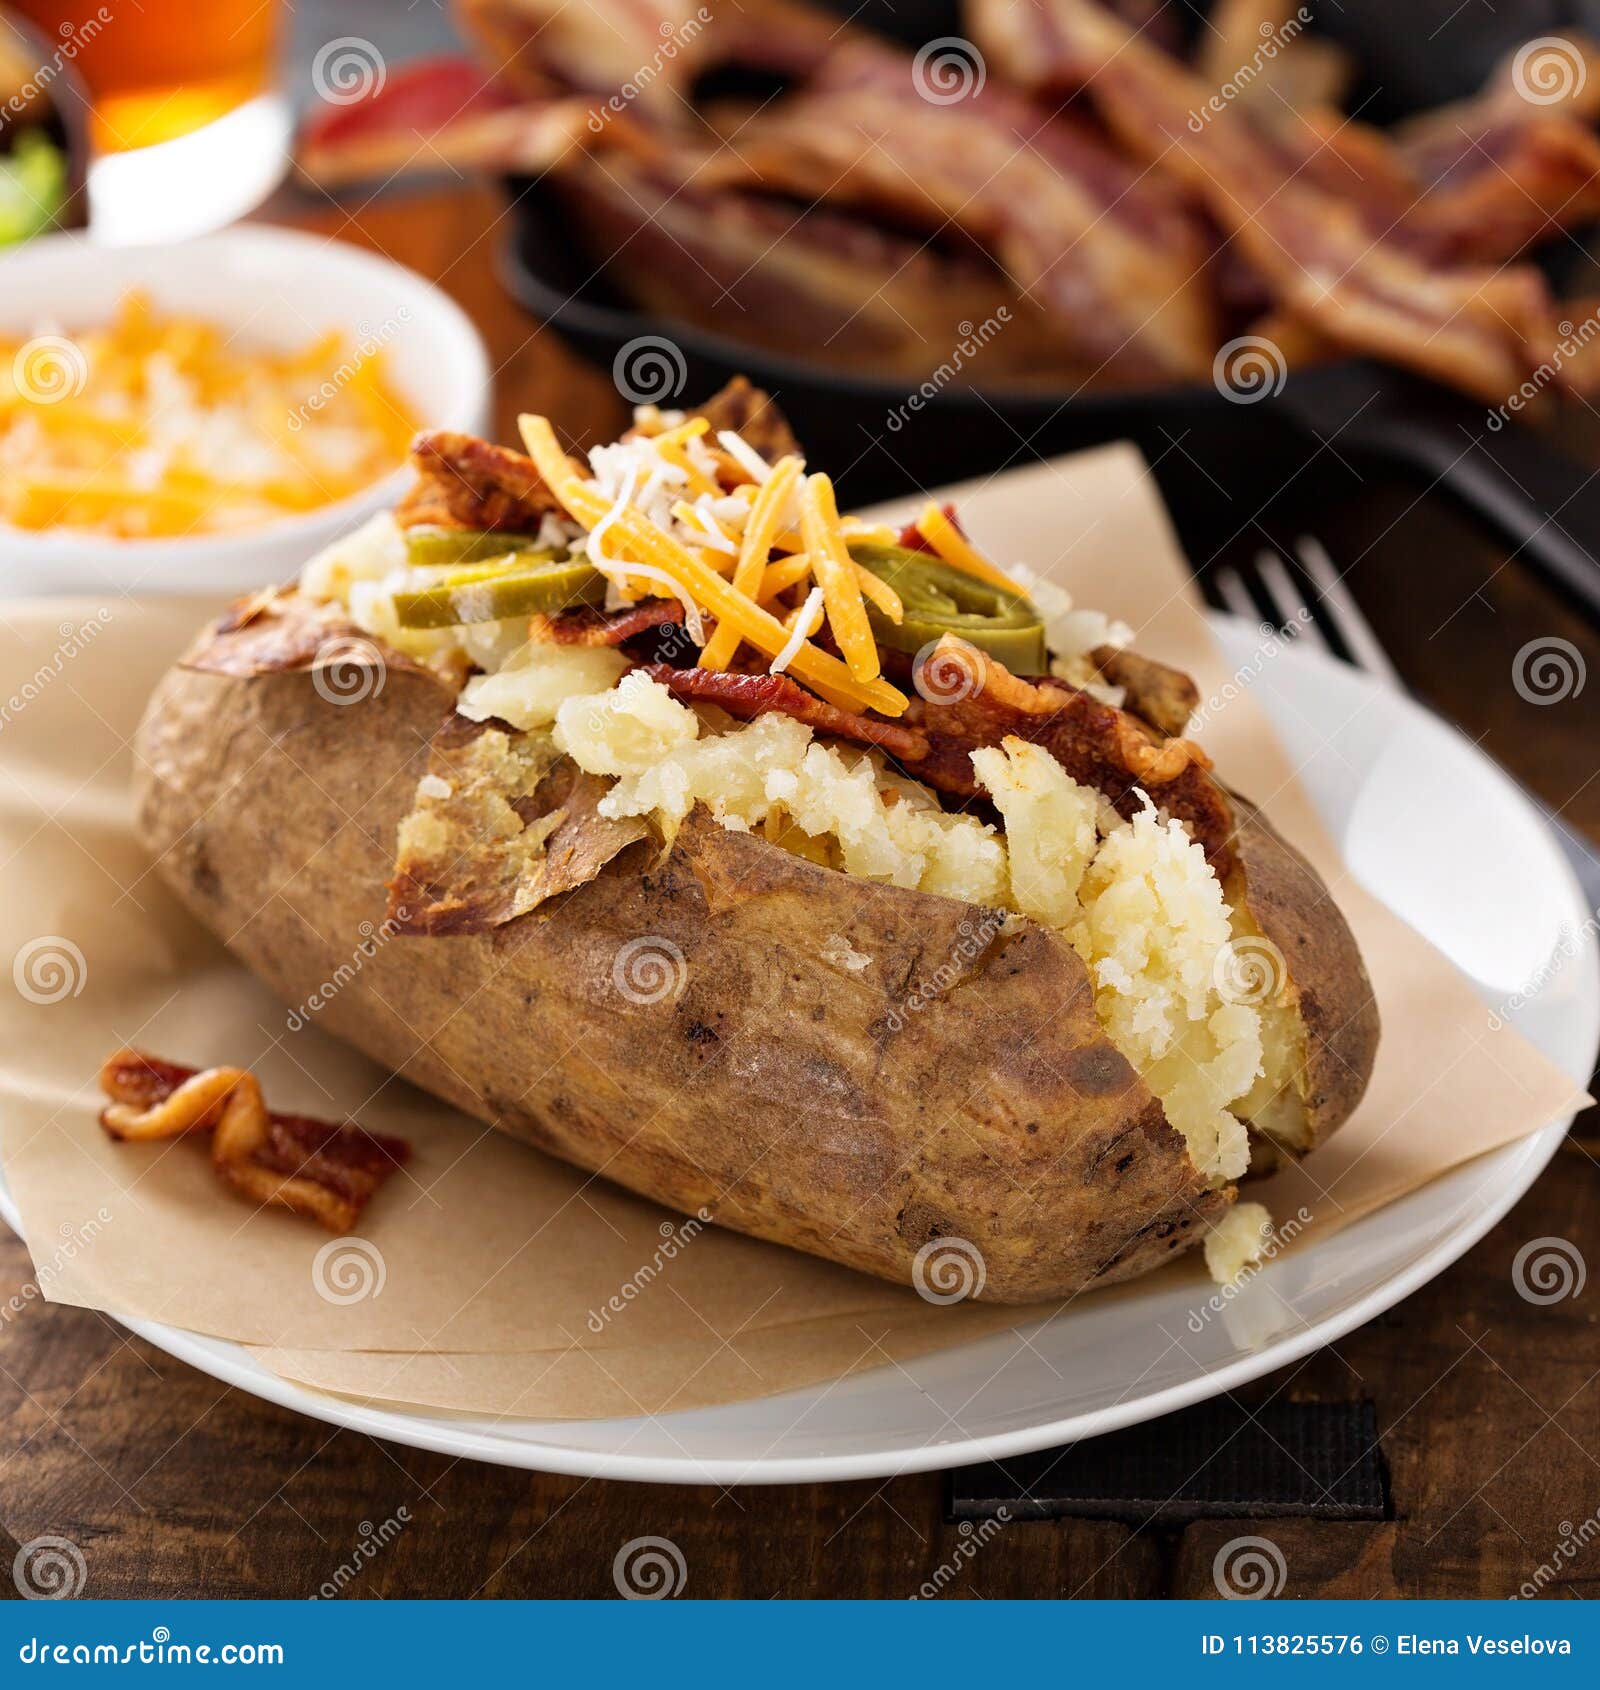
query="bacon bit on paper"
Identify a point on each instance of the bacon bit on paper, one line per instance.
(324, 1171)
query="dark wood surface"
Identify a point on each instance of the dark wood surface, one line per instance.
(1488, 1407)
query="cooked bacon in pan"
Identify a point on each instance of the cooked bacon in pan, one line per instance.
(1118, 209)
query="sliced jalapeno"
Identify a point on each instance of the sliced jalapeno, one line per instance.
(940, 599)
(428, 546)
(521, 586)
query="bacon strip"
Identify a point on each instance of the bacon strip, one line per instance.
(1497, 173)
(1096, 744)
(465, 482)
(316, 1168)
(449, 109)
(747, 696)
(1113, 255)
(587, 626)
(1477, 329)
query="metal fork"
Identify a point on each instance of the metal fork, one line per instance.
(1329, 619)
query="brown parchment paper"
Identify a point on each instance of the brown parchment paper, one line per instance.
(486, 1274)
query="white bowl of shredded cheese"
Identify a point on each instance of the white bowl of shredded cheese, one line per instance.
(205, 416)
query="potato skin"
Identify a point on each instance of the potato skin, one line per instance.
(959, 1084)
(1327, 980)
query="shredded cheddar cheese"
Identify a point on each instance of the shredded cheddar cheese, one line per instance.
(779, 577)
(835, 571)
(881, 594)
(153, 426)
(950, 544)
(672, 446)
(749, 573)
(631, 531)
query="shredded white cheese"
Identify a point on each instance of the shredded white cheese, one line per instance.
(745, 456)
(805, 625)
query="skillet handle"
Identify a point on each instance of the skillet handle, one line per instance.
(1543, 504)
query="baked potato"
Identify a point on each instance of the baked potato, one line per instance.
(854, 981)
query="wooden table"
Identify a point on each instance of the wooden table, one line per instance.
(1488, 1408)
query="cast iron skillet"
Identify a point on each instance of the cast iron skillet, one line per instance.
(1544, 505)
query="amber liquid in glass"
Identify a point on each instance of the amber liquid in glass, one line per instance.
(164, 68)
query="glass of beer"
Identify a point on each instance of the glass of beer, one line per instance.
(188, 125)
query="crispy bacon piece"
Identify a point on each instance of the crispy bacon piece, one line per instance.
(1113, 254)
(1477, 329)
(316, 1168)
(747, 696)
(602, 44)
(1156, 692)
(465, 482)
(852, 290)
(1101, 746)
(1298, 71)
(587, 626)
(1497, 174)
(748, 411)
(448, 109)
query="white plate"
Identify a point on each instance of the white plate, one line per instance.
(1426, 822)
